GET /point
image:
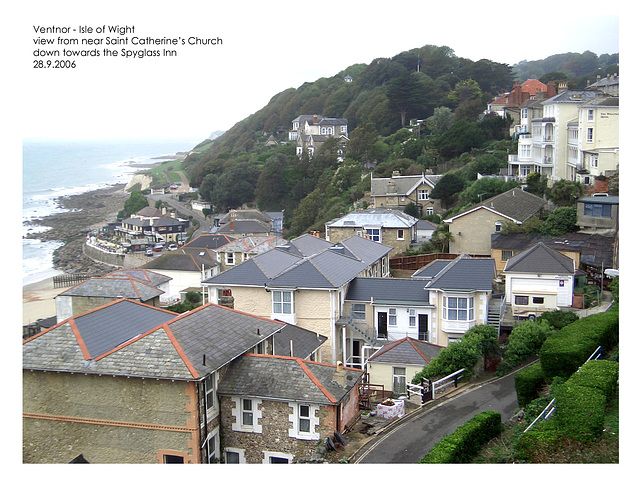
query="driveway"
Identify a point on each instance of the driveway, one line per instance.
(412, 437)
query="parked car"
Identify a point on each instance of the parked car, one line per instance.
(149, 252)
(172, 247)
(158, 247)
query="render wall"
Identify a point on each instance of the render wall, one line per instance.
(472, 232)
(107, 419)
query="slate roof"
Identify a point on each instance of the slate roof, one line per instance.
(324, 266)
(131, 339)
(594, 248)
(305, 342)
(253, 244)
(540, 259)
(388, 291)
(571, 96)
(209, 241)
(147, 276)
(601, 200)
(245, 226)
(384, 217)
(406, 351)
(113, 287)
(188, 260)
(286, 379)
(515, 204)
(248, 214)
(404, 185)
(462, 274)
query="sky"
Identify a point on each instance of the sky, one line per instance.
(266, 48)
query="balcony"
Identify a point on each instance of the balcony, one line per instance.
(457, 326)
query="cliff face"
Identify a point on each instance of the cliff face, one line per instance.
(143, 180)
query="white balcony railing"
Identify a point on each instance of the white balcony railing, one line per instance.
(457, 326)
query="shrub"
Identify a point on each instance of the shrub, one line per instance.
(580, 411)
(601, 375)
(543, 436)
(559, 319)
(467, 440)
(563, 353)
(478, 341)
(525, 341)
(528, 382)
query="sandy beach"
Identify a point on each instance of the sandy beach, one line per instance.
(38, 301)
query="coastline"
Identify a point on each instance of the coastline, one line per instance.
(82, 212)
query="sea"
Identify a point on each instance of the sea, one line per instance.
(52, 168)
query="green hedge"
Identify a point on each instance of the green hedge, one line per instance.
(580, 411)
(467, 440)
(601, 375)
(563, 353)
(528, 382)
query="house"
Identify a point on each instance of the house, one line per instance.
(312, 131)
(400, 190)
(572, 135)
(152, 225)
(244, 248)
(591, 252)
(240, 223)
(538, 280)
(276, 409)
(187, 267)
(201, 206)
(396, 363)
(277, 219)
(598, 213)
(425, 230)
(131, 383)
(303, 283)
(472, 228)
(389, 227)
(143, 287)
(460, 292)
(439, 304)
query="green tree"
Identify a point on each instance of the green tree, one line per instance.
(485, 188)
(565, 193)
(136, 202)
(440, 121)
(271, 190)
(559, 221)
(446, 189)
(236, 186)
(412, 209)
(536, 184)
(208, 187)
(467, 97)
(361, 141)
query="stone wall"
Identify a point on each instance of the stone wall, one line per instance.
(107, 419)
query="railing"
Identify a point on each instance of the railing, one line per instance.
(549, 409)
(69, 280)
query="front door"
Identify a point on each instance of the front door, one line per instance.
(423, 327)
(382, 324)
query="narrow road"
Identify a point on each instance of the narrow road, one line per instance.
(413, 437)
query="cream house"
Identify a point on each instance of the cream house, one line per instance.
(303, 283)
(471, 229)
(400, 190)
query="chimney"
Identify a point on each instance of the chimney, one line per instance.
(231, 224)
(551, 90)
(315, 118)
(562, 87)
(396, 173)
(391, 187)
(340, 376)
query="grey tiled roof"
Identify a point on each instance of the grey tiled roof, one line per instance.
(384, 217)
(515, 204)
(595, 248)
(540, 259)
(611, 200)
(286, 379)
(109, 287)
(388, 291)
(430, 270)
(245, 226)
(209, 241)
(152, 278)
(323, 267)
(406, 351)
(465, 274)
(404, 185)
(132, 339)
(181, 260)
(305, 342)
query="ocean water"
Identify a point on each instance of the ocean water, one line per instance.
(55, 168)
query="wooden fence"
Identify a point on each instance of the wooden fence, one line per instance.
(70, 279)
(415, 262)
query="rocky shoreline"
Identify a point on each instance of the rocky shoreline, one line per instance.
(84, 211)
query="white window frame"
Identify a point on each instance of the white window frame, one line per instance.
(210, 388)
(393, 317)
(399, 378)
(268, 455)
(591, 114)
(279, 304)
(295, 417)
(229, 258)
(213, 457)
(374, 237)
(400, 234)
(412, 317)
(239, 451)
(448, 309)
(238, 413)
(590, 135)
(423, 195)
(359, 313)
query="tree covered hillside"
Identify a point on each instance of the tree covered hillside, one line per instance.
(430, 83)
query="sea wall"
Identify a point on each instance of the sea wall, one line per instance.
(119, 260)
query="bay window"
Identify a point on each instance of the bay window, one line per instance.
(458, 308)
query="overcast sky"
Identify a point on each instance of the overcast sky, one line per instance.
(267, 47)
